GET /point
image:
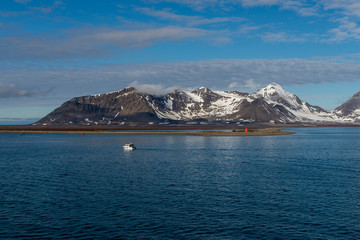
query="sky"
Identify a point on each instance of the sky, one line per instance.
(53, 50)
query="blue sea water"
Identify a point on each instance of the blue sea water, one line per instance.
(302, 186)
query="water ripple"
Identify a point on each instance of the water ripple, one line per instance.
(302, 186)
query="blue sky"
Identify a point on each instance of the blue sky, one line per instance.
(51, 51)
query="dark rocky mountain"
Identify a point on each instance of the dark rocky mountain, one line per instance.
(127, 107)
(124, 105)
(350, 110)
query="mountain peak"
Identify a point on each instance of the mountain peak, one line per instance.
(274, 84)
(202, 90)
(351, 106)
(177, 91)
(275, 87)
(130, 88)
(276, 94)
(271, 90)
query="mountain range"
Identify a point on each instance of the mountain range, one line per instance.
(129, 106)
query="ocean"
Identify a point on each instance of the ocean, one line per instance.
(301, 186)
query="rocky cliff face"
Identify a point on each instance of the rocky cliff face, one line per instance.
(128, 106)
(124, 105)
(350, 110)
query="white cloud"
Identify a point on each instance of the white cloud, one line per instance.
(22, 1)
(233, 85)
(188, 20)
(11, 90)
(327, 10)
(103, 41)
(249, 73)
(304, 8)
(248, 28)
(44, 10)
(197, 5)
(159, 78)
(347, 8)
(154, 89)
(14, 14)
(252, 85)
(245, 85)
(282, 37)
(347, 30)
(219, 74)
(84, 43)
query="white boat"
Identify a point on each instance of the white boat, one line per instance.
(129, 146)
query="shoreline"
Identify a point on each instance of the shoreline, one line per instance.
(251, 132)
(190, 130)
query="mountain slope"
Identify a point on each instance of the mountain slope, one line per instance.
(350, 110)
(102, 109)
(129, 106)
(275, 95)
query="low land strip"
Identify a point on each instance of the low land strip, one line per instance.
(195, 130)
(234, 132)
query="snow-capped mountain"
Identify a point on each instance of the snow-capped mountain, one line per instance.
(129, 106)
(350, 110)
(275, 95)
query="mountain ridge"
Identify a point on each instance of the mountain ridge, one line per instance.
(351, 108)
(271, 104)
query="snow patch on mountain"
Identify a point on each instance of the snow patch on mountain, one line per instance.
(169, 103)
(194, 97)
(270, 104)
(274, 94)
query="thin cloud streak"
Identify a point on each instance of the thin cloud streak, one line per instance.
(94, 42)
(283, 37)
(188, 20)
(300, 7)
(22, 1)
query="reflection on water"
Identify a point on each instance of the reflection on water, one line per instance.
(302, 186)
